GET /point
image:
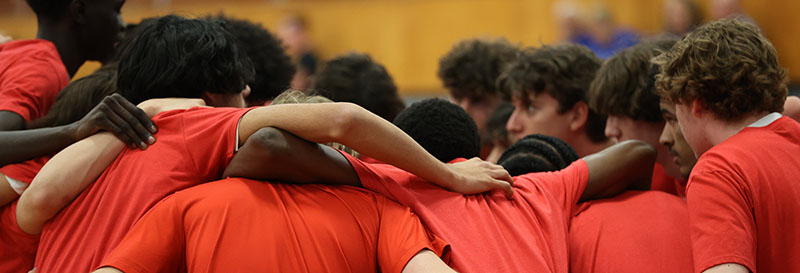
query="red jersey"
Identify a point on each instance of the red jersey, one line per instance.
(242, 225)
(18, 248)
(636, 231)
(743, 200)
(31, 75)
(666, 183)
(193, 147)
(487, 232)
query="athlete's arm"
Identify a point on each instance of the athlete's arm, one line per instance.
(7, 193)
(10, 121)
(370, 135)
(114, 114)
(73, 169)
(727, 268)
(625, 165)
(426, 261)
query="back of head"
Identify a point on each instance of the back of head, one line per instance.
(728, 66)
(624, 85)
(471, 68)
(537, 153)
(49, 9)
(183, 58)
(356, 78)
(273, 68)
(564, 71)
(79, 98)
(442, 128)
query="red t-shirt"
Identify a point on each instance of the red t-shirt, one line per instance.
(636, 231)
(31, 75)
(666, 183)
(242, 225)
(193, 147)
(743, 199)
(18, 248)
(487, 232)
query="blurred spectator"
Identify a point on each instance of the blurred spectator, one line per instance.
(597, 29)
(681, 16)
(293, 31)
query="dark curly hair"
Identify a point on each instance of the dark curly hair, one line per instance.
(356, 78)
(179, 57)
(442, 128)
(49, 9)
(564, 72)
(624, 85)
(273, 68)
(470, 69)
(729, 66)
(537, 153)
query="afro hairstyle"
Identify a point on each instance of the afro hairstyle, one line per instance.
(442, 128)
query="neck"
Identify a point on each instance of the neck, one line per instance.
(61, 36)
(585, 146)
(718, 131)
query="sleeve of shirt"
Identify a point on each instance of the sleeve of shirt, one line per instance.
(402, 236)
(211, 135)
(29, 90)
(384, 179)
(155, 244)
(565, 186)
(721, 223)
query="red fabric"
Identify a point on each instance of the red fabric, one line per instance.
(743, 200)
(241, 225)
(24, 171)
(487, 232)
(18, 248)
(666, 183)
(193, 147)
(636, 231)
(31, 75)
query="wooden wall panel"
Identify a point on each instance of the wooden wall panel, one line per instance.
(409, 36)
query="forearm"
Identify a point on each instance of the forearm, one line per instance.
(354, 127)
(63, 178)
(18, 146)
(426, 261)
(626, 165)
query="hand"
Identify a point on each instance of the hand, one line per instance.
(477, 176)
(154, 106)
(117, 115)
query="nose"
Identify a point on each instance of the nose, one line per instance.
(513, 126)
(666, 136)
(612, 128)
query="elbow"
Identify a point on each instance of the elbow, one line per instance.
(36, 206)
(347, 116)
(264, 147)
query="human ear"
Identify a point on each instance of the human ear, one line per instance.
(697, 108)
(578, 116)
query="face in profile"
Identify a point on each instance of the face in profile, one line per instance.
(103, 28)
(537, 115)
(672, 138)
(479, 108)
(624, 128)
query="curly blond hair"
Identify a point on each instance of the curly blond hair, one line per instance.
(728, 65)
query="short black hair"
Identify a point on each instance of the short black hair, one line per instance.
(273, 68)
(356, 78)
(179, 57)
(442, 128)
(471, 68)
(49, 9)
(537, 153)
(564, 72)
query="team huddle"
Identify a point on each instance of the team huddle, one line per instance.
(185, 152)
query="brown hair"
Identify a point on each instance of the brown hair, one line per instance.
(729, 66)
(79, 98)
(471, 68)
(295, 96)
(564, 72)
(624, 85)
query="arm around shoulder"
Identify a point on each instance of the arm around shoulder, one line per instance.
(627, 165)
